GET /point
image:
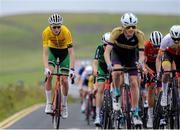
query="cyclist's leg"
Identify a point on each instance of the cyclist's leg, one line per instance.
(166, 66)
(64, 65)
(48, 84)
(100, 83)
(116, 75)
(134, 92)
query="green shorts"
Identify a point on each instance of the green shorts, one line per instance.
(102, 72)
(63, 56)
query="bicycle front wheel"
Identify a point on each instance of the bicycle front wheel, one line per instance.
(57, 113)
(174, 122)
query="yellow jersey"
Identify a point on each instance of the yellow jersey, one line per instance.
(61, 41)
(91, 82)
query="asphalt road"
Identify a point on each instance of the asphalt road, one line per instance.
(39, 120)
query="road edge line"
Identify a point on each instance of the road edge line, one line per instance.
(19, 115)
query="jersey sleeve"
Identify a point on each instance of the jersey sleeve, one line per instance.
(97, 53)
(146, 48)
(141, 39)
(165, 43)
(68, 36)
(45, 39)
(115, 34)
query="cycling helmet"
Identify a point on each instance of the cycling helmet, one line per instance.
(106, 38)
(129, 19)
(55, 19)
(88, 69)
(155, 38)
(175, 32)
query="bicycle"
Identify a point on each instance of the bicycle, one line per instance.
(89, 106)
(170, 113)
(57, 95)
(126, 98)
(106, 110)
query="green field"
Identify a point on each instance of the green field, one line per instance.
(21, 47)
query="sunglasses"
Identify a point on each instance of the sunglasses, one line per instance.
(133, 27)
(176, 39)
(54, 27)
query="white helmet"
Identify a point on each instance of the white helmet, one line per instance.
(88, 69)
(129, 19)
(55, 19)
(155, 38)
(175, 32)
(106, 38)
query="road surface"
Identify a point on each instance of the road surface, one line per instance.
(39, 120)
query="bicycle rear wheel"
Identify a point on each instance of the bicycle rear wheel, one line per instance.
(57, 113)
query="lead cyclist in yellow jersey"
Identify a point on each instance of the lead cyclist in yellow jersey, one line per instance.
(57, 43)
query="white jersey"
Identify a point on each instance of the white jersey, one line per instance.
(168, 44)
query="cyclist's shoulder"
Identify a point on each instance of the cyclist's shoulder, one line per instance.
(117, 30)
(140, 35)
(148, 44)
(46, 30)
(64, 28)
(99, 47)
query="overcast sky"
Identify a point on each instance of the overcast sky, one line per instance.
(170, 7)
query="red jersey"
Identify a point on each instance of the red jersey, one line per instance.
(150, 52)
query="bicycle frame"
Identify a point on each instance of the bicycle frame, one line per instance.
(126, 94)
(57, 101)
(170, 112)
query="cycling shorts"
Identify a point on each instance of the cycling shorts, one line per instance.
(102, 71)
(125, 59)
(171, 57)
(63, 56)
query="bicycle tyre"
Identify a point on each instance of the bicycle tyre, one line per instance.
(57, 114)
(107, 108)
(143, 111)
(174, 121)
(157, 112)
(128, 109)
(88, 110)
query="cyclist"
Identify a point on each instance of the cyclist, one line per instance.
(100, 67)
(85, 80)
(150, 53)
(170, 54)
(57, 43)
(79, 79)
(123, 45)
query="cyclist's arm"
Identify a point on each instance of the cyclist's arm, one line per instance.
(45, 56)
(107, 54)
(45, 48)
(141, 56)
(141, 39)
(95, 68)
(72, 56)
(158, 60)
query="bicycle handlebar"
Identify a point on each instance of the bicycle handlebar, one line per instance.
(125, 69)
(59, 74)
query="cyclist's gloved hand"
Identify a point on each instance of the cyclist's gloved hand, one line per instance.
(47, 72)
(72, 73)
(158, 76)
